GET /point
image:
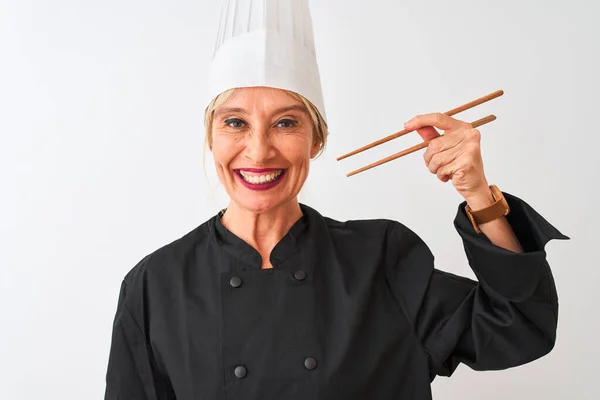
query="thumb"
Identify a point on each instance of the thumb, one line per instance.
(428, 132)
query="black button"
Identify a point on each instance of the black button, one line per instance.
(300, 275)
(240, 372)
(235, 282)
(310, 363)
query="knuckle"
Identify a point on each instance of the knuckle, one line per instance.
(435, 163)
(416, 120)
(438, 117)
(474, 134)
(434, 160)
(441, 173)
(435, 145)
(431, 168)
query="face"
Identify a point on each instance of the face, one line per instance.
(262, 146)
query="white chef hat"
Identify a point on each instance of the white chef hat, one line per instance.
(266, 43)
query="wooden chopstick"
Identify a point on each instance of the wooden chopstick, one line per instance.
(454, 111)
(420, 146)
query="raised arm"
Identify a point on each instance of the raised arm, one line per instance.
(506, 318)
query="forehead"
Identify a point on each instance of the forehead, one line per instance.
(261, 100)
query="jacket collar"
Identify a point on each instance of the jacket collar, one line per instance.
(289, 244)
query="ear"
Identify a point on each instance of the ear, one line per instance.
(315, 149)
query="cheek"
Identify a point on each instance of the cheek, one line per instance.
(223, 151)
(296, 149)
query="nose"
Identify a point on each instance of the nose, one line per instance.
(259, 148)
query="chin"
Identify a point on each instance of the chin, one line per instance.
(254, 204)
(259, 204)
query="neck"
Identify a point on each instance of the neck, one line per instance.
(262, 230)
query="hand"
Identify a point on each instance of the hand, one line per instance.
(454, 156)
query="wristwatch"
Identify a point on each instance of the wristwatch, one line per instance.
(499, 209)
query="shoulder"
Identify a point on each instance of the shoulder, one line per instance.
(378, 227)
(165, 261)
(392, 235)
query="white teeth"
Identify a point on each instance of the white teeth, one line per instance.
(258, 179)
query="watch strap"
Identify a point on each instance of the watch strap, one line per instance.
(499, 208)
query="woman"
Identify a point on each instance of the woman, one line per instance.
(271, 300)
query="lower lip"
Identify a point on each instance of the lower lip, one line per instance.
(261, 186)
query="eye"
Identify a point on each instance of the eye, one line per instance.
(234, 122)
(287, 123)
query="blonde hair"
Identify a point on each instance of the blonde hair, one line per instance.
(320, 131)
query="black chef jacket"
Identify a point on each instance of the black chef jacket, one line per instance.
(350, 310)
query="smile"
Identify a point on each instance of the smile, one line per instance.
(260, 179)
(256, 179)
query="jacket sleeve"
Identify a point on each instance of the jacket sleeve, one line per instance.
(130, 373)
(506, 318)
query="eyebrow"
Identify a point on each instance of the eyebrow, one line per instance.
(281, 110)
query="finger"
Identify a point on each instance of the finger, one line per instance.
(441, 159)
(446, 172)
(440, 144)
(428, 132)
(438, 120)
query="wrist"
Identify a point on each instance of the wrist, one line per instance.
(481, 199)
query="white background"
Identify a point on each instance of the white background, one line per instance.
(101, 159)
